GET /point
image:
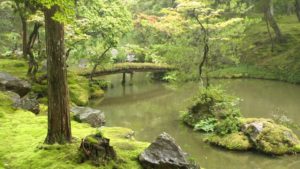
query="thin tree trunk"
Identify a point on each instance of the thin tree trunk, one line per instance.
(268, 12)
(24, 29)
(271, 37)
(98, 62)
(297, 5)
(59, 125)
(24, 38)
(33, 64)
(205, 48)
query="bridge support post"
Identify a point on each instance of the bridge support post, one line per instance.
(131, 79)
(124, 79)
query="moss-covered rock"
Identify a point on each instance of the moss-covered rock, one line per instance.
(234, 141)
(269, 137)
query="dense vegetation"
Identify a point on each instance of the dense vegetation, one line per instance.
(61, 46)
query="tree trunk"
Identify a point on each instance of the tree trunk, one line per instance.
(24, 37)
(269, 16)
(33, 64)
(59, 126)
(24, 29)
(297, 4)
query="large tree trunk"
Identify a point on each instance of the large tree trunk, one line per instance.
(269, 16)
(59, 127)
(297, 4)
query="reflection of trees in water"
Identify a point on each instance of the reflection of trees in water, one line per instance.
(152, 112)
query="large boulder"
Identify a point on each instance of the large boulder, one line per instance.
(27, 103)
(11, 83)
(269, 137)
(164, 153)
(94, 117)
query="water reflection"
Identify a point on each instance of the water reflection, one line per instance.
(151, 108)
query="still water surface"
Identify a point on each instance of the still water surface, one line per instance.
(150, 108)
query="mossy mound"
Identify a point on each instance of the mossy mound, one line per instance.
(211, 102)
(14, 67)
(234, 141)
(216, 113)
(269, 137)
(263, 135)
(96, 92)
(79, 89)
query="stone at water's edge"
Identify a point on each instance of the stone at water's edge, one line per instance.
(164, 153)
(97, 149)
(11, 83)
(94, 117)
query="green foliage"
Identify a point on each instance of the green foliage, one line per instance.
(100, 26)
(206, 125)
(229, 125)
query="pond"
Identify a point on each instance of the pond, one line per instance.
(150, 108)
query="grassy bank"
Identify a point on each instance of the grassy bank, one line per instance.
(255, 72)
(283, 63)
(22, 136)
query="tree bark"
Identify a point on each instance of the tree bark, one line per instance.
(205, 48)
(59, 125)
(297, 5)
(33, 64)
(24, 29)
(269, 16)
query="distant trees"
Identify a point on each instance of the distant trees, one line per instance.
(268, 10)
(103, 23)
(297, 7)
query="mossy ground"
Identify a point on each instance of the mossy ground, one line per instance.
(15, 67)
(281, 64)
(22, 135)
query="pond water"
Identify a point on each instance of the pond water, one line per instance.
(150, 108)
